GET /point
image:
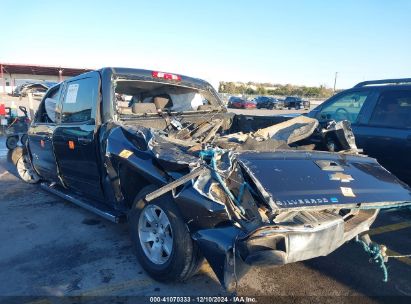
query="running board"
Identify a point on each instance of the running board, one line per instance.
(95, 207)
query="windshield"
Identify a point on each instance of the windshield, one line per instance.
(145, 97)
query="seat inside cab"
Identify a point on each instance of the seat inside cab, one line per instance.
(146, 97)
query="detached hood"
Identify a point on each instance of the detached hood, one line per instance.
(301, 180)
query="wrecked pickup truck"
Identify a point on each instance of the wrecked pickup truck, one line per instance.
(160, 151)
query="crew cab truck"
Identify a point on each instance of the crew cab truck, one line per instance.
(380, 116)
(160, 151)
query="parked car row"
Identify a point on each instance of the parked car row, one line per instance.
(268, 102)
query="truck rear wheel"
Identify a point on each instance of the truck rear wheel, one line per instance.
(23, 139)
(162, 241)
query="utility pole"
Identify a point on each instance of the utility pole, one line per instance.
(335, 80)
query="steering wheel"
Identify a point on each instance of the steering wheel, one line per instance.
(341, 114)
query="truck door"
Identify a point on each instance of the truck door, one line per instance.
(75, 139)
(387, 135)
(40, 136)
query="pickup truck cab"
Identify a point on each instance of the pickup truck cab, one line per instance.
(380, 116)
(160, 151)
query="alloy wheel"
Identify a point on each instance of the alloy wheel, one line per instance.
(155, 234)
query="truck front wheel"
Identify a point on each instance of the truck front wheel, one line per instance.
(163, 243)
(25, 170)
(11, 142)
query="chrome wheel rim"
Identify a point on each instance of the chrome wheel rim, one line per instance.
(155, 234)
(26, 171)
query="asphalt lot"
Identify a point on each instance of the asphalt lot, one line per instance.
(50, 247)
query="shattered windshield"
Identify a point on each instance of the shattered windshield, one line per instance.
(146, 97)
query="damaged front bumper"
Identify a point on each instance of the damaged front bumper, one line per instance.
(231, 252)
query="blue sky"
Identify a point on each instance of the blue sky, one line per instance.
(298, 42)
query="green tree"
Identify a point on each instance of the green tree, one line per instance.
(261, 90)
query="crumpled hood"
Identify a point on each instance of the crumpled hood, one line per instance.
(300, 180)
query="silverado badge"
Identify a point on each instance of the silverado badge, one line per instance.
(339, 176)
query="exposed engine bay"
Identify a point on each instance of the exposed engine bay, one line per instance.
(209, 144)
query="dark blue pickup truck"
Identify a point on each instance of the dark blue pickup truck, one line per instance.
(380, 115)
(160, 151)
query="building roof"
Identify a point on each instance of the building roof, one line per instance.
(13, 68)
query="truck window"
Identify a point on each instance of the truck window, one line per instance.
(345, 107)
(47, 109)
(144, 97)
(79, 100)
(393, 110)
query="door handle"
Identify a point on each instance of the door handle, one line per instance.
(84, 140)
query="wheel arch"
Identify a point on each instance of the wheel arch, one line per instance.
(132, 183)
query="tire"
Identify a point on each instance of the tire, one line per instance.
(11, 142)
(182, 259)
(25, 170)
(23, 139)
(15, 154)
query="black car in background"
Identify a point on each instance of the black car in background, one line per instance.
(380, 115)
(297, 103)
(268, 103)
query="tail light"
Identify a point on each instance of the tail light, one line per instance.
(167, 76)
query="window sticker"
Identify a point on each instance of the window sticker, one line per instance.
(72, 90)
